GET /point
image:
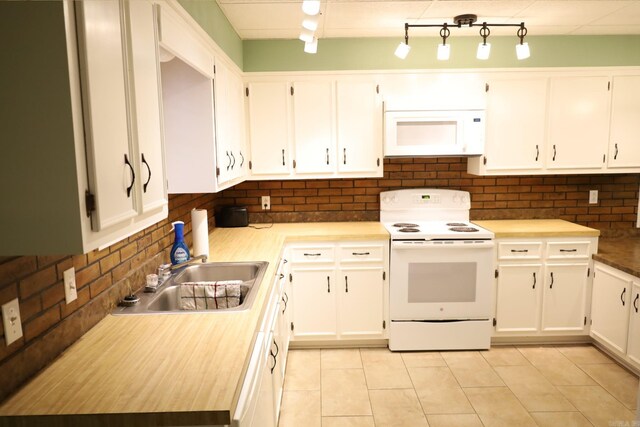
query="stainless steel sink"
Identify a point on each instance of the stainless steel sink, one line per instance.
(167, 297)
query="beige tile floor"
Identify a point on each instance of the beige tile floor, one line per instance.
(505, 386)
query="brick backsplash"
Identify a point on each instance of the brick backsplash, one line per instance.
(505, 197)
(102, 279)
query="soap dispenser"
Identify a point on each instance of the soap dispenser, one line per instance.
(180, 250)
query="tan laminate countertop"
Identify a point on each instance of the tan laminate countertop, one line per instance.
(620, 253)
(536, 228)
(172, 369)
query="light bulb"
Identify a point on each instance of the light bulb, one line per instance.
(311, 7)
(402, 50)
(483, 51)
(310, 23)
(444, 51)
(312, 46)
(306, 35)
(522, 50)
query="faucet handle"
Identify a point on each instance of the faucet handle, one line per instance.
(164, 272)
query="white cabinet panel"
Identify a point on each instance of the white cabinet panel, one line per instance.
(578, 122)
(314, 309)
(609, 307)
(361, 303)
(518, 297)
(633, 347)
(268, 105)
(564, 302)
(314, 127)
(359, 124)
(112, 166)
(515, 134)
(624, 143)
(144, 62)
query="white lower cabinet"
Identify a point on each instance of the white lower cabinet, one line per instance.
(610, 308)
(633, 347)
(518, 298)
(542, 286)
(342, 297)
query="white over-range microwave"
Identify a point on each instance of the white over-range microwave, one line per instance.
(411, 133)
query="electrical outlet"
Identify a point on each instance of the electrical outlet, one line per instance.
(266, 203)
(593, 197)
(70, 291)
(11, 321)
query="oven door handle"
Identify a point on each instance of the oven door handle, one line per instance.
(426, 245)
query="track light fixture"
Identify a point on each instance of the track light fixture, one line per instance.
(467, 20)
(311, 9)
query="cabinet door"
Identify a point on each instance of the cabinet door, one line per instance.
(359, 125)
(287, 311)
(314, 311)
(225, 161)
(518, 299)
(111, 166)
(146, 89)
(361, 302)
(515, 134)
(277, 374)
(610, 308)
(564, 301)
(313, 119)
(624, 143)
(268, 105)
(633, 349)
(264, 414)
(578, 122)
(238, 143)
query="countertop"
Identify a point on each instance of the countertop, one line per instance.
(620, 253)
(537, 228)
(171, 369)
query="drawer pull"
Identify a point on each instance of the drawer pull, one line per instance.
(551, 285)
(346, 284)
(568, 250)
(635, 302)
(328, 285)
(534, 280)
(315, 254)
(360, 253)
(520, 250)
(624, 292)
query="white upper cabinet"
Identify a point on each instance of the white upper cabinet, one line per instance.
(624, 142)
(515, 132)
(232, 155)
(112, 171)
(578, 122)
(314, 127)
(359, 124)
(268, 111)
(146, 81)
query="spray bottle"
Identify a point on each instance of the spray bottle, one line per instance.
(180, 250)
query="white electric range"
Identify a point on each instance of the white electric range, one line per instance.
(441, 271)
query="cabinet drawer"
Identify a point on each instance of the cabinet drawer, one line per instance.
(361, 253)
(519, 250)
(568, 250)
(313, 254)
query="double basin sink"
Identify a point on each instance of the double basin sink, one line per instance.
(166, 299)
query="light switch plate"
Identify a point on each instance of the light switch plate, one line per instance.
(11, 321)
(593, 197)
(70, 291)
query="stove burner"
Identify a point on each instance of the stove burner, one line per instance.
(408, 230)
(405, 224)
(456, 224)
(464, 229)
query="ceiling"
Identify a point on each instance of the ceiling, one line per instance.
(281, 19)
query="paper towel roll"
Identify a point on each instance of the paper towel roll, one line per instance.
(200, 229)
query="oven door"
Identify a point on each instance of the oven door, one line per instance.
(441, 280)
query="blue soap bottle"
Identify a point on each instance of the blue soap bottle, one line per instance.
(180, 250)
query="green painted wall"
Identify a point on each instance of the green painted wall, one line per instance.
(208, 14)
(377, 53)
